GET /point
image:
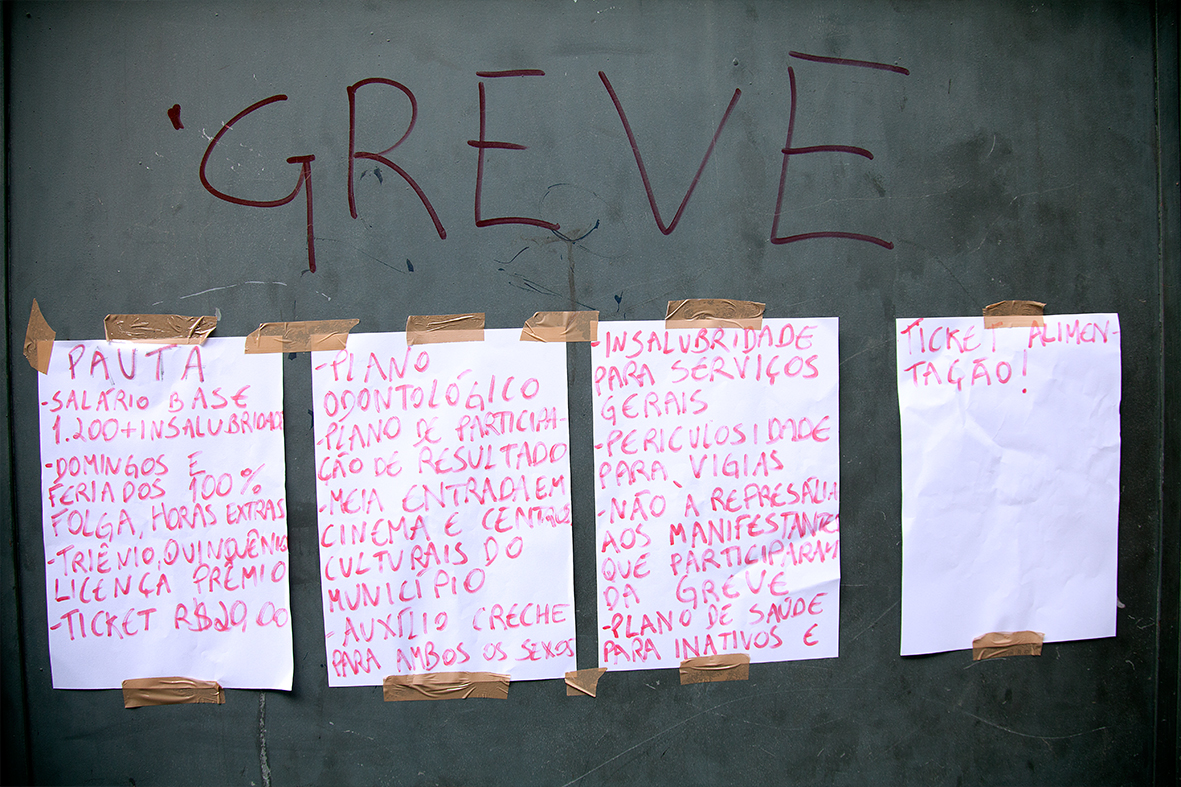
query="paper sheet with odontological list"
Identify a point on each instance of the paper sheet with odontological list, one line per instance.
(443, 486)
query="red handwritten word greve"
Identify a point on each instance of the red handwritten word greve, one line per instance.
(304, 182)
(381, 157)
(666, 229)
(789, 151)
(482, 144)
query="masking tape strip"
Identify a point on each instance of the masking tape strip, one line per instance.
(445, 686)
(139, 692)
(710, 669)
(583, 682)
(158, 328)
(1014, 314)
(1007, 643)
(714, 313)
(441, 328)
(300, 337)
(561, 327)
(38, 340)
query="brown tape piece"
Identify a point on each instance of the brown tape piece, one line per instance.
(171, 691)
(1014, 314)
(445, 686)
(714, 313)
(442, 328)
(561, 327)
(300, 337)
(158, 328)
(996, 644)
(710, 669)
(583, 682)
(38, 340)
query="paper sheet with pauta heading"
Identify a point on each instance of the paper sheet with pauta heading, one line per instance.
(1010, 478)
(164, 514)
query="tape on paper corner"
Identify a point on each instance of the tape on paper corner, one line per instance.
(710, 669)
(1015, 314)
(141, 692)
(300, 337)
(158, 328)
(38, 340)
(997, 644)
(445, 686)
(580, 326)
(443, 328)
(714, 313)
(583, 682)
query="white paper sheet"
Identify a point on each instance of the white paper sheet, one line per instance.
(164, 514)
(717, 467)
(1010, 479)
(443, 483)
